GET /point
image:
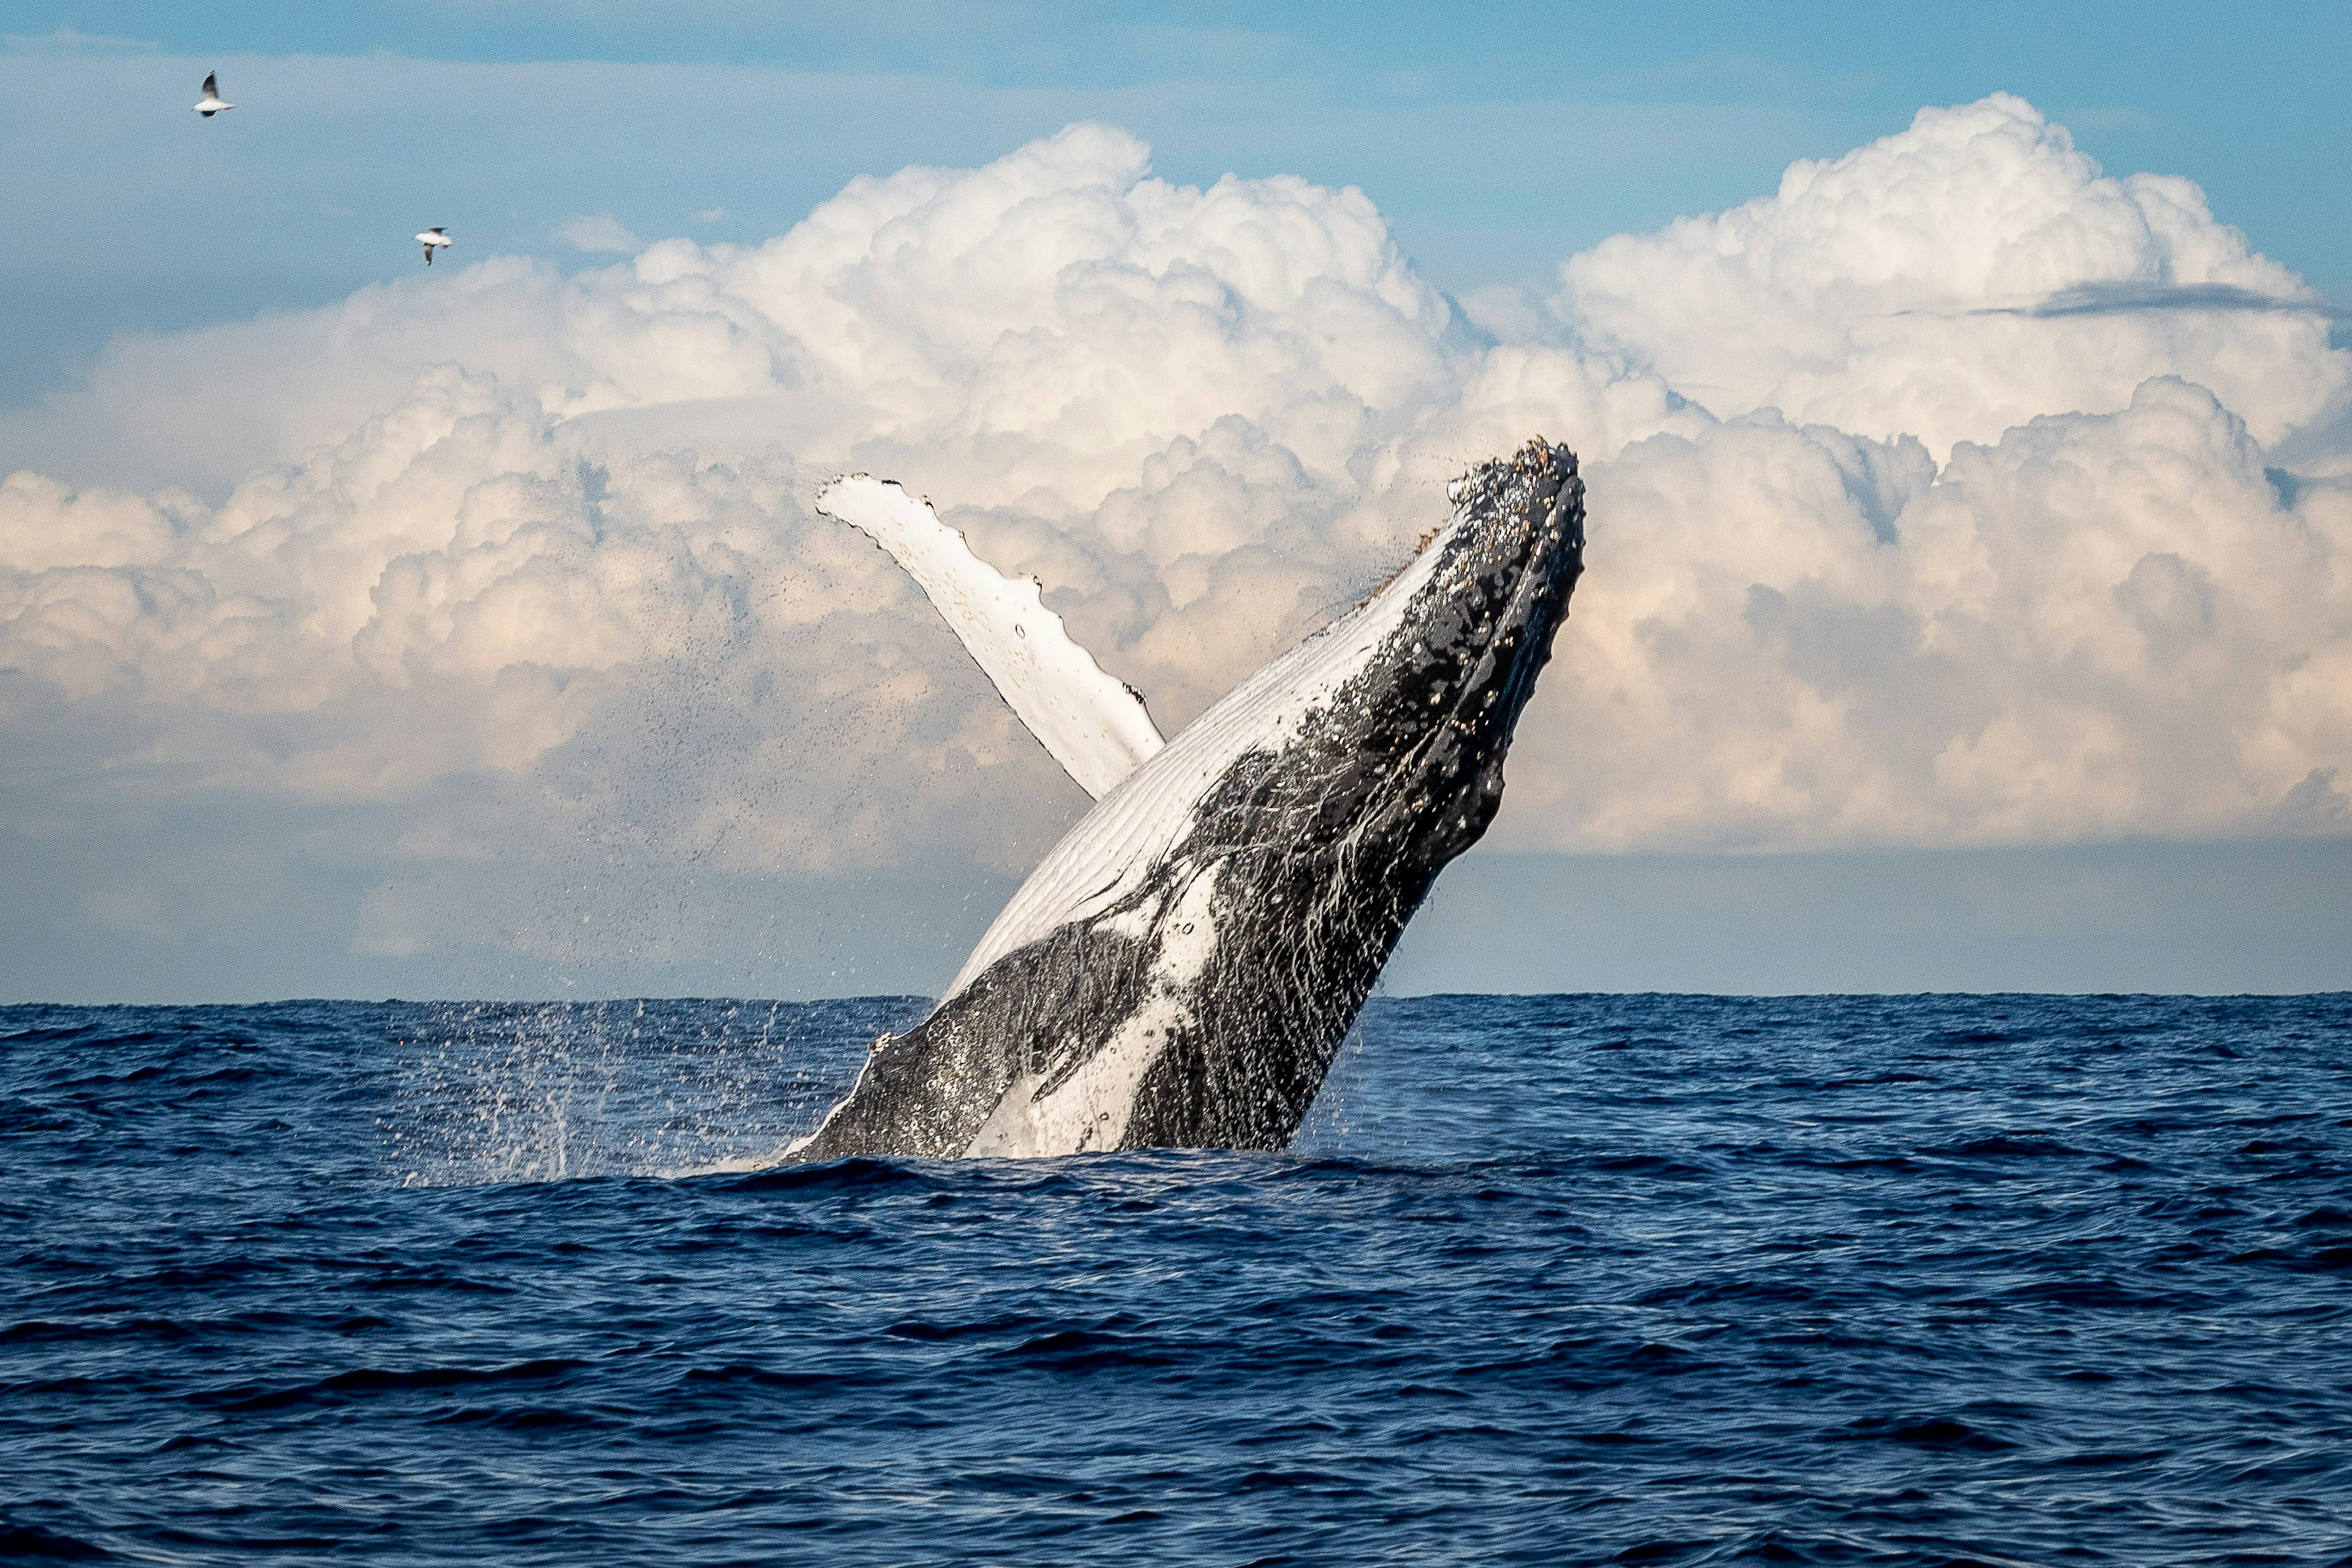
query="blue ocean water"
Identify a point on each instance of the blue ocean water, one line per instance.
(1560, 1280)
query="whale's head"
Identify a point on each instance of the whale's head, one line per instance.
(1409, 757)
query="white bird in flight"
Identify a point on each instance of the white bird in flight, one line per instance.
(211, 104)
(431, 239)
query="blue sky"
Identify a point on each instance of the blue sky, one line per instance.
(1497, 139)
(366, 630)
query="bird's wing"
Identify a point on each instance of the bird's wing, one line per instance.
(212, 84)
(1093, 722)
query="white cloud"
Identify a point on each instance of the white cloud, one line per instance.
(1860, 294)
(2103, 625)
(596, 232)
(524, 562)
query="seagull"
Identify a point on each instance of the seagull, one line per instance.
(431, 239)
(211, 104)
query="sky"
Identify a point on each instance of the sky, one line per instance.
(1965, 405)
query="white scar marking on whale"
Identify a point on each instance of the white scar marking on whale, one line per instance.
(1094, 724)
(1135, 924)
(1090, 1108)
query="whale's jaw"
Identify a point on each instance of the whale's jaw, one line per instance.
(1179, 971)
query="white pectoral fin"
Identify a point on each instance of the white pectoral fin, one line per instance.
(1093, 723)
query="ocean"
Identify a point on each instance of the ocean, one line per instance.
(1559, 1279)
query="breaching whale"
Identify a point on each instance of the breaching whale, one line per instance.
(1180, 969)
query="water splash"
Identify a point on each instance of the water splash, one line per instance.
(550, 1091)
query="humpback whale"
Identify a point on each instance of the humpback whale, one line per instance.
(1180, 969)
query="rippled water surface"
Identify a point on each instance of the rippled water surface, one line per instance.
(1559, 1279)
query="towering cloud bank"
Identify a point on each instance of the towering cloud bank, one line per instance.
(1938, 497)
(1954, 281)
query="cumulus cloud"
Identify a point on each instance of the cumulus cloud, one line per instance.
(595, 232)
(2102, 625)
(1922, 285)
(1938, 497)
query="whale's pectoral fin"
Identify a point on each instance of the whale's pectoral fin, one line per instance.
(1093, 723)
